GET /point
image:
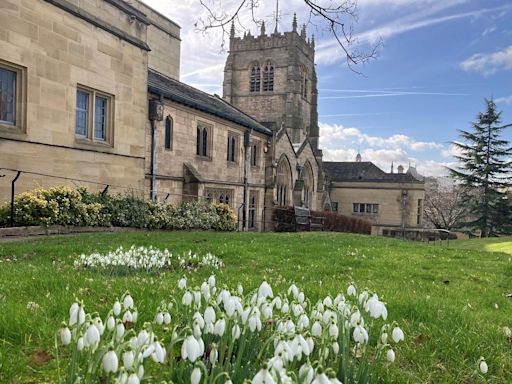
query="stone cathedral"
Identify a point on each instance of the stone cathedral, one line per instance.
(90, 94)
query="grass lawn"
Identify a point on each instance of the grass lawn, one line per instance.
(450, 302)
(491, 244)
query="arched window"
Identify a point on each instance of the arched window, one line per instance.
(231, 147)
(309, 187)
(202, 145)
(255, 78)
(268, 78)
(304, 82)
(283, 181)
(168, 132)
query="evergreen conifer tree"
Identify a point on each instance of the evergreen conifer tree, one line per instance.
(485, 172)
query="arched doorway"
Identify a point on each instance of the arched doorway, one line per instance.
(284, 182)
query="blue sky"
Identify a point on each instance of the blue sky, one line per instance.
(439, 60)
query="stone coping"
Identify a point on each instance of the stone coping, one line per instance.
(16, 232)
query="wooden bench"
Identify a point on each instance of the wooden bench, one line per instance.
(305, 221)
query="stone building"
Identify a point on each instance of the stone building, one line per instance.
(90, 94)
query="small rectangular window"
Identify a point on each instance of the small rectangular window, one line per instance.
(8, 96)
(94, 115)
(334, 205)
(168, 132)
(255, 152)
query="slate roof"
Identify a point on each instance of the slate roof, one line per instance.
(194, 98)
(363, 171)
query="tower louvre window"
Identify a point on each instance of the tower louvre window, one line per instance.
(255, 79)
(268, 78)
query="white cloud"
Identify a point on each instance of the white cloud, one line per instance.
(334, 134)
(489, 63)
(504, 100)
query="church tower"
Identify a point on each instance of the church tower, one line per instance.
(273, 79)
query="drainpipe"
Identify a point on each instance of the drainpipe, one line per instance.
(247, 145)
(156, 113)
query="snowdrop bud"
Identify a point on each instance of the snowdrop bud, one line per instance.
(182, 283)
(81, 316)
(140, 372)
(351, 290)
(80, 344)
(230, 306)
(73, 313)
(117, 308)
(65, 336)
(333, 331)
(110, 362)
(397, 335)
(214, 354)
(142, 338)
(483, 366)
(128, 359)
(187, 298)
(195, 377)
(301, 297)
(306, 374)
(133, 379)
(127, 317)
(209, 315)
(111, 323)
(240, 289)
(265, 290)
(119, 331)
(220, 327)
(285, 308)
(316, 329)
(235, 332)
(128, 302)
(159, 318)
(135, 315)
(211, 281)
(159, 354)
(335, 347)
(197, 297)
(384, 338)
(99, 325)
(327, 301)
(167, 318)
(390, 355)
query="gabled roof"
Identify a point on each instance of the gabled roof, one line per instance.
(363, 171)
(194, 98)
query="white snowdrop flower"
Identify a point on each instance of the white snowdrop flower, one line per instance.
(301, 297)
(328, 301)
(384, 338)
(65, 336)
(306, 374)
(334, 380)
(311, 344)
(263, 377)
(99, 325)
(148, 351)
(128, 317)
(240, 289)
(111, 323)
(190, 349)
(267, 311)
(293, 290)
(304, 320)
(211, 281)
(205, 291)
(187, 298)
(80, 344)
(390, 355)
(128, 301)
(182, 283)
(201, 346)
(220, 327)
(397, 335)
(142, 338)
(159, 353)
(321, 378)
(133, 379)
(277, 302)
(117, 308)
(483, 366)
(110, 362)
(159, 319)
(92, 336)
(81, 315)
(285, 308)
(128, 359)
(195, 377)
(235, 332)
(363, 296)
(209, 315)
(355, 318)
(167, 318)
(253, 323)
(119, 331)
(265, 290)
(230, 306)
(197, 297)
(228, 382)
(360, 335)
(304, 345)
(73, 313)
(335, 347)
(351, 290)
(316, 329)
(140, 372)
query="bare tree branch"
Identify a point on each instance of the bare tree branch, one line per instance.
(331, 15)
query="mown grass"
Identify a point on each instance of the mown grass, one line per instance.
(451, 303)
(491, 244)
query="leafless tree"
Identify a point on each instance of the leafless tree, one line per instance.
(444, 207)
(335, 16)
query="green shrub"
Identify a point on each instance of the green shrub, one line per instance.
(79, 207)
